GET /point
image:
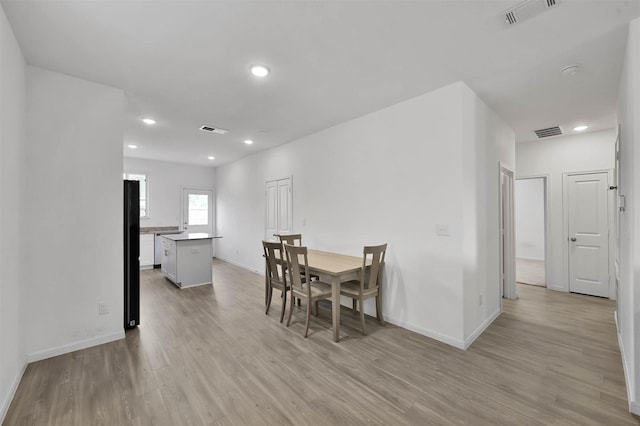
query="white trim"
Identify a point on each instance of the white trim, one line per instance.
(547, 224)
(481, 328)
(75, 346)
(212, 210)
(240, 265)
(507, 272)
(12, 392)
(530, 258)
(426, 332)
(566, 285)
(634, 407)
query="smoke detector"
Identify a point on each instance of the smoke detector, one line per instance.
(526, 10)
(214, 130)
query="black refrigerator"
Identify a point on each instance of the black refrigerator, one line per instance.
(131, 253)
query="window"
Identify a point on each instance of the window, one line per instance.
(198, 209)
(144, 207)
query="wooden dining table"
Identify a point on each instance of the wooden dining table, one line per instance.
(334, 269)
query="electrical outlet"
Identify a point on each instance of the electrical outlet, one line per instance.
(103, 308)
(442, 230)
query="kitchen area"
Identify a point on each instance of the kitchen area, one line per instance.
(177, 219)
(183, 257)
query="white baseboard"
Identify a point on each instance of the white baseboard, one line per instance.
(530, 258)
(634, 407)
(482, 327)
(75, 346)
(240, 265)
(12, 392)
(426, 332)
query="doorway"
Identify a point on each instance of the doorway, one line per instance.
(531, 230)
(198, 210)
(507, 231)
(278, 208)
(587, 218)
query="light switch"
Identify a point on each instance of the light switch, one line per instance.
(442, 230)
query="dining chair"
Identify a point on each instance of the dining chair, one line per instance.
(292, 239)
(369, 284)
(275, 274)
(295, 240)
(301, 288)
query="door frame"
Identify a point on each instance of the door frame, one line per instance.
(610, 235)
(264, 224)
(212, 210)
(508, 281)
(547, 228)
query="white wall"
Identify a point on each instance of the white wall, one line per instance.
(389, 176)
(553, 158)
(12, 138)
(628, 308)
(529, 216)
(487, 143)
(72, 213)
(165, 187)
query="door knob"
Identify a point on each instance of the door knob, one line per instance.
(573, 239)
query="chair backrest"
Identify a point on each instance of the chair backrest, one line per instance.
(376, 254)
(291, 239)
(297, 267)
(274, 258)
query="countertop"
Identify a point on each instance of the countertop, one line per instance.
(158, 230)
(190, 236)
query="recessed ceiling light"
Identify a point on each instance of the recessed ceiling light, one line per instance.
(580, 128)
(248, 141)
(259, 70)
(149, 121)
(211, 157)
(132, 146)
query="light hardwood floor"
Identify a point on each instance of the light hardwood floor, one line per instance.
(209, 356)
(530, 272)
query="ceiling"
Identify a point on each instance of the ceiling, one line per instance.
(186, 63)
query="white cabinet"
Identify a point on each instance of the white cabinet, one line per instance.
(146, 251)
(168, 263)
(186, 259)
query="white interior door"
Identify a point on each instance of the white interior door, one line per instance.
(588, 225)
(279, 208)
(507, 234)
(198, 210)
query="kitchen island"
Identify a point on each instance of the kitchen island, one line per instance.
(187, 259)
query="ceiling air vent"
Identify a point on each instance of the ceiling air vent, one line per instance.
(526, 10)
(545, 133)
(214, 130)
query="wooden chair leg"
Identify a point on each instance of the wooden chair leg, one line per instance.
(316, 308)
(293, 302)
(354, 304)
(299, 302)
(306, 327)
(269, 294)
(379, 309)
(284, 304)
(364, 326)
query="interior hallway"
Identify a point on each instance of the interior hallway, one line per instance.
(209, 355)
(530, 272)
